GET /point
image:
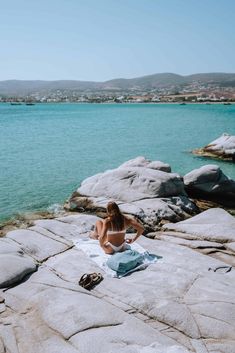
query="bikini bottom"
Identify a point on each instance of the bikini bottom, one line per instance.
(117, 248)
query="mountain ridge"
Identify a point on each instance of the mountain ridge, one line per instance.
(147, 82)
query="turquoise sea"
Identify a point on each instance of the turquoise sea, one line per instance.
(46, 150)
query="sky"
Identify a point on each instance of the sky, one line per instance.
(98, 40)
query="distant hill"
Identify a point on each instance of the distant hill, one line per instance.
(156, 81)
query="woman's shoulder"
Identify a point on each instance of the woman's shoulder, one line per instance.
(127, 220)
(106, 221)
(131, 221)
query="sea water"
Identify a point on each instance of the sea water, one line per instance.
(46, 150)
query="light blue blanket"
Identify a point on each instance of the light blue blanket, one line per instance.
(93, 250)
(124, 262)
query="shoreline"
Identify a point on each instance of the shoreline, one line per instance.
(45, 258)
(25, 220)
(122, 103)
(11, 209)
(200, 153)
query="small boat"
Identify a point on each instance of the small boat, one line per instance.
(227, 103)
(29, 103)
(183, 103)
(16, 103)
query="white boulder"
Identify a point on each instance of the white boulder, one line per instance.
(223, 147)
(132, 183)
(225, 144)
(143, 162)
(140, 189)
(211, 183)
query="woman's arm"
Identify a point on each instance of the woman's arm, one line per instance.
(103, 234)
(131, 222)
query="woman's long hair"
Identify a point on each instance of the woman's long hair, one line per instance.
(115, 216)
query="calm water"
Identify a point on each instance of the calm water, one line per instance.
(46, 150)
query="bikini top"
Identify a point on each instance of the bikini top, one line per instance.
(110, 232)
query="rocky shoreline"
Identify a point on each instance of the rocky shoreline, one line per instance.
(152, 193)
(26, 220)
(183, 303)
(221, 148)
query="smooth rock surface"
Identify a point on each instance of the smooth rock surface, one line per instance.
(174, 306)
(193, 244)
(211, 183)
(35, 244)
(143, 162)
(223, 147)
(132, 183)
(140, 189)
(8, 246)
(149, 211)
(14, 267)
(214, 224)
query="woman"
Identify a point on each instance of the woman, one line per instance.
(112, 230)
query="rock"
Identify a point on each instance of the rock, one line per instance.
(54, 311)
(210, 183)
(139, 189)
(37, 245)
(223, 147)
(212, 233)
(14, 268)
(149, 211)
(142, 162)
(222, 255)
(84, 222)
(132, 183)
(66, 228)
(59, 229)
(231, 246)
(221, 346)
(193, 244)
(212, 225)
(8, 246)
(175, 305)
(90, 313)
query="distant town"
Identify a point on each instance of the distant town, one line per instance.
(207, 96)
(158, 88)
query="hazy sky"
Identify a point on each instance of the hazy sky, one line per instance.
(104, 39)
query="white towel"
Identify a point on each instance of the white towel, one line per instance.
(94, 251)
